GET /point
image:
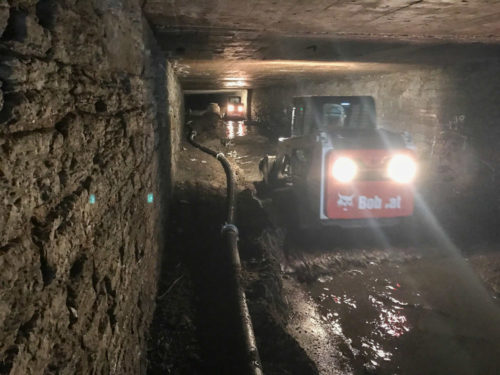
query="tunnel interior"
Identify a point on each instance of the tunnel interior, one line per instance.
(113, 260)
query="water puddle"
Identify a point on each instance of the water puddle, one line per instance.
(246, 146)
(235, 129)
(424, 317)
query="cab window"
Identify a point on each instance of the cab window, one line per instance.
(351, 114)
(234, 100)
(333, 116)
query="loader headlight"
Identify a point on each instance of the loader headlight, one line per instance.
(344, 169)
(402, 168)
(230, 107)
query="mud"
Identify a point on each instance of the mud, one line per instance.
(426, 316)
(393, 302)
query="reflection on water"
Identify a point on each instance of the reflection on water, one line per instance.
(415, 319)
(373, 349)
(235, 129)
(392, 322)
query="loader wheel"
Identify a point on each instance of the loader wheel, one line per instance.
(264, 169)
(271, 169)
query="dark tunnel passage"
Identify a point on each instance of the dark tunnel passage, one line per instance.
(363, 137)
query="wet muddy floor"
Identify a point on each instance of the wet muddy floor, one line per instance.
(427, 316)
(337, 303)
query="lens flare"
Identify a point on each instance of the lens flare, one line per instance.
(344, 169)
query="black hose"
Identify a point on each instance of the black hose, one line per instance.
(231, 193)
(230, 235)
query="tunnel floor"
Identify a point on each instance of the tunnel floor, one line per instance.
(342, 302)
(427, 315)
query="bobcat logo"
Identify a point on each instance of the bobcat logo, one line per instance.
(345, 201)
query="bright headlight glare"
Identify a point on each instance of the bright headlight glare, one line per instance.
(230, 107)
(240, 108)
(344, 169)
(402, 168)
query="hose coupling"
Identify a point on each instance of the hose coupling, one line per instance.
(229, 228)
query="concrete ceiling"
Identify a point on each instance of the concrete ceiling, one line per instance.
(465, 20)
(241, 74)
(367, 36)
(319, 60)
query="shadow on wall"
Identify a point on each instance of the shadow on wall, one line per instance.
(271, 107)
(467, 142)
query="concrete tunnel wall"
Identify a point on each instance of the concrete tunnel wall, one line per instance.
(452, 113)
(84, 114)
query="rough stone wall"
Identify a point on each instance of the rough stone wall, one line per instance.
(78, 121)
(452, 113)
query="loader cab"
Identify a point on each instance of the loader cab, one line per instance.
(342, 169)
